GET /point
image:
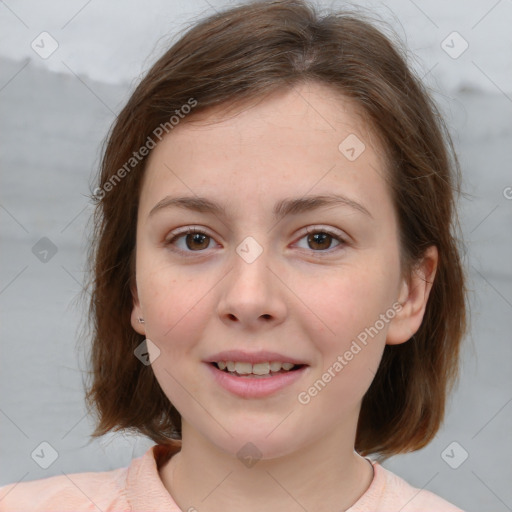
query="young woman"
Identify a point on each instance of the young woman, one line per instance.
(277, 292)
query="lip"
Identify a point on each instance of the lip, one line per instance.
(252, 357)
(253, 387)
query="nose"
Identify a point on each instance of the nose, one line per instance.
(252, 294)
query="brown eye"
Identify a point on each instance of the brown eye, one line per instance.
(320, 240)
(190, 240)
(197, 241)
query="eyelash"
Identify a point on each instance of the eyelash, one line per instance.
(309, 231)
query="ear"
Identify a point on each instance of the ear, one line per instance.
(413, 297)
(137, 311)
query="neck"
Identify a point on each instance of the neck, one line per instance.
(318, 477)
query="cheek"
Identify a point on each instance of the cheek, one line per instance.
(349, 301)
(353, 310)
(174, 302)
(176, 308)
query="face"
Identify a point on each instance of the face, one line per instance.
(268, 272)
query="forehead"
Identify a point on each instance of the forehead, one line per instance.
(295, 140)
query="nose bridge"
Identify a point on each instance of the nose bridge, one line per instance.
(250, 264)
(251, 291)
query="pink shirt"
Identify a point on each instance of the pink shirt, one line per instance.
(139, 488)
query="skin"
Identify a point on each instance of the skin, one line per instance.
(300, 298)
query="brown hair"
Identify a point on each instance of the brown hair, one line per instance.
(245, 53)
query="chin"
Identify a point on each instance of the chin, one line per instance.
(249, 444)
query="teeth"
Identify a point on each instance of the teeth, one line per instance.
(275, 366)
(261, 368)
(243, 368)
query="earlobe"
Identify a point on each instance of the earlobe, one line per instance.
(137, 321)
(137, 318)
(413, 297)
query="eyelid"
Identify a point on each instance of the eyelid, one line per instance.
(326, 229)
(190, 229)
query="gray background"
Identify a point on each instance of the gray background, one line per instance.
(55, 113)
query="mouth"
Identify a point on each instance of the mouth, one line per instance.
(262, 370)
(259, 379)
(256, 375)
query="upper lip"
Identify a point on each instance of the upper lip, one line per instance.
(252, 357)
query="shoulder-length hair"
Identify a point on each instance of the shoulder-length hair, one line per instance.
(240, 55)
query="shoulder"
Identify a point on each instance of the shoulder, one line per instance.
(392, 493)
(413, 499)
(75, 491)
(136, 487)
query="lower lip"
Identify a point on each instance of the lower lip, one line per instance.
(251, 387)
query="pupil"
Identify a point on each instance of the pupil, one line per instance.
(196, 237)
(320, 238)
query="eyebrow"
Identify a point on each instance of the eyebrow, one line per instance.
(284, 207)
